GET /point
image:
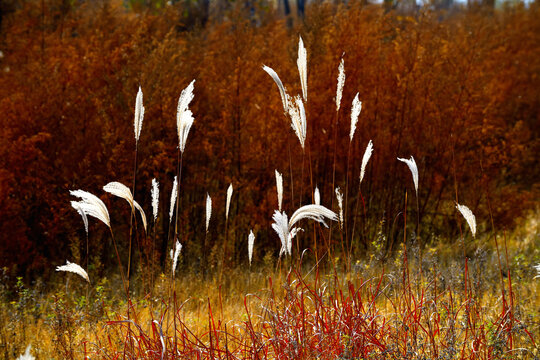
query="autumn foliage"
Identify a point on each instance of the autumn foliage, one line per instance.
(460, 91)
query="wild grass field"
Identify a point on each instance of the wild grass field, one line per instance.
(359, 182)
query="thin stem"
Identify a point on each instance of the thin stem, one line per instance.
(131, 221)
(176, 221)
(347, 206)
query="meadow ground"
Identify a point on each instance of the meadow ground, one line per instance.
(418, 307)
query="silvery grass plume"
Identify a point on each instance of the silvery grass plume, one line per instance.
(339, 196)
(301, 62)
(340, 83)
(281, 88)
(355, 113)
(184, 116)
(77, 206)
(317, 196)
(229, 196)
(365, 159)
(177, 249)
(279, 187)
(173, 198)
(139, 115)
(469, 216)
(122, 191)
(251, 241)
(414, 171)
(155, 198)
(208, 210)
(92, 205)
(537, 268)
(286, 230)
(27, 355)
(298, 119)
(74, 268)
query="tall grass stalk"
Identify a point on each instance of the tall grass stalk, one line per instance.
(155, 204)
(137, 127)
(184, 121)
(339, 94)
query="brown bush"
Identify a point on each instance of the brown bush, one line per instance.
(460, 92)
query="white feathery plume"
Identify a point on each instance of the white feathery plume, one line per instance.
(77, 206)
(251, 241)
(155, 198)
(355, 112)
(365, 159)
(184, 125)
(282, 90)
(173, 198)
(317, 196)
(118, 189)
(141, 211)
(139, 115)
(281, 227)
(298, 119)
(469, 216)
(313, 212)
(74, 268)
(229, 196)
(184, 116)
(285, 228)
(301, 62)
(279, 187)
(537, 268)
(92, 205)
(340, 83)
(177, 249)
(414, 171)
(208, 210)
(339, 196)
(27, 355)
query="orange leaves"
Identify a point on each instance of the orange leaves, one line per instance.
(459, 92)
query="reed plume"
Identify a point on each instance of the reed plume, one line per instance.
(282, 90)
(92, 205)
(173, 198)
(74, 268)
(27, 355)
(355, 112)
(177, 249)
(414, 171)
(118, 189)
(155, 198)
(208, 210)
(251, 241)
(301, 62)
(229, 196)
(365, 159)
(537, 268)
(184, 116)
(317, 196)
(139, 115)
(279, 188)
(77, 206)
(285, 228)
(340, 83)
(469, 216)
(298, 119)
(339, 196)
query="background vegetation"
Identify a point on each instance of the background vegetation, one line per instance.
(457, 88)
